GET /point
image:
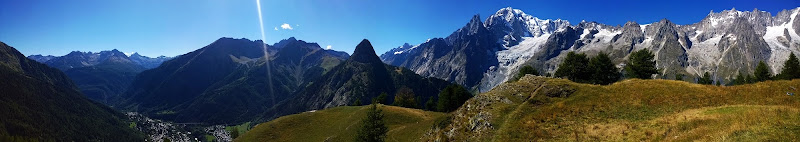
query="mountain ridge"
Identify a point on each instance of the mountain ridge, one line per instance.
(228, 72)
(689, 50)
(41, 103)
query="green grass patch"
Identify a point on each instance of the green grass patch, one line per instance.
(341, 124)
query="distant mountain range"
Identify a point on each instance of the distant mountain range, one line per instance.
(101, 76)
(40, 103)
(231, 81)
(228, 81)
(360, 78)
(483, 54)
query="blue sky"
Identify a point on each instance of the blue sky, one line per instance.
(174, 27)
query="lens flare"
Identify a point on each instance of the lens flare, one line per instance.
(264, 45)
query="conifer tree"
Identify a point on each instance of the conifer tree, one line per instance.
(373, 128)
(791, 68)
(641, 64)
(762, 72)
(603, 70)
(575, 68)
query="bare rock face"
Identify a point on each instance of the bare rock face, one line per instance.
(742, 49)
(461, 58)
(670, 54)
(623, 44)
(557, 45)
(796, 24)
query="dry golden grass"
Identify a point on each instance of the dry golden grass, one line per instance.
(645, 110)
(538, 109)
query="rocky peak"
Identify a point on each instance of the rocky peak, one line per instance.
(661, 28)
(136, 54)
(784, 16)
(474, 25)
(283, 43)
(405, 45)
(631, 34)
(365, 53)
(593, 25)
(114, 53)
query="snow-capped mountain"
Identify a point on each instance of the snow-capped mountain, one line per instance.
(722, 44)
(510, 25)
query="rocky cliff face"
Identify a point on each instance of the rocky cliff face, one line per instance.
(722, 44)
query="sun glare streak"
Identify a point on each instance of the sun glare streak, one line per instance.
(264, 44)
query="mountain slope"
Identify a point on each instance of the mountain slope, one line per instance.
(362, 77)
(40, 102)
(231, 73)
(547, 109)
(341, 123)
(101, 76)
(461, 58)
(722, 44)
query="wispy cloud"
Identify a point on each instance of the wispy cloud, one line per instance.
(286, 26)
(328, 47)
(276, 28)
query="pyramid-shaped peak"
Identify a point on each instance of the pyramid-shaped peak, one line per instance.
(365, 53)
(475, 19)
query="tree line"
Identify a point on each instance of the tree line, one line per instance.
(641, 64)
(449, 99)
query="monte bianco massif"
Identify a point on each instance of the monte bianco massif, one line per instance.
(485, 53)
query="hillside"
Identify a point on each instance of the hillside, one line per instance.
(234, 73)
(362, 77)
(101, 76)
(40, 103)
(546, 109)
(341, 123)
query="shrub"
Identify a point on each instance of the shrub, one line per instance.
(405, 98)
